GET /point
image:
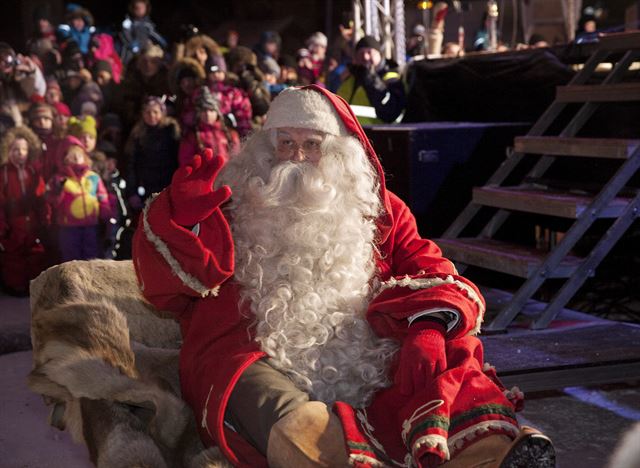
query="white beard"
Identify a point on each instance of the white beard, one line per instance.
(304, 246)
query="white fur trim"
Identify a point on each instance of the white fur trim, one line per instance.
(426, 283)
(432, 440)
(457, 441)
(163, 249)
(298, 108)
(360, 458)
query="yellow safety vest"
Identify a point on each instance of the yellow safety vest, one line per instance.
(359, 101)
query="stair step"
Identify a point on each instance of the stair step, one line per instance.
(545, 202)
(621, 41)
(599, 93)
(612, 148)
(513, 259)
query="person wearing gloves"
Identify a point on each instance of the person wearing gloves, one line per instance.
(319, 328)
(210, 130)
(373, 87)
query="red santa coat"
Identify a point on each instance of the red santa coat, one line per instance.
(192, 276)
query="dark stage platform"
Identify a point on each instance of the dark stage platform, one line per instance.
(576, 350)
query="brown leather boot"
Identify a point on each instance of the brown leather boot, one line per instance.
(530, 449)
(309, 436)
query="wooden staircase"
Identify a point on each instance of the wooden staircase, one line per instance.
(611, 200)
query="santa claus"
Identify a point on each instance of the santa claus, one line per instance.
(319, 328)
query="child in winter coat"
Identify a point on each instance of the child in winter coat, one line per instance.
(41, 118)
(80, 201)
(152, 152)
(23, 210)
(85, 129)
(210, 131)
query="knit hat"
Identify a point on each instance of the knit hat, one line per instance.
(52, 83)
(68, 142)
(270, 66)
(40, 109)
(205, 100)
(317, 38)
(80, 125)
(370, 42)
(295, 107)
(89, 108)
(158, 101)
(215, 63)
(62, 109)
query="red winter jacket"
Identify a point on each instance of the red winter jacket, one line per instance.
(22, 203)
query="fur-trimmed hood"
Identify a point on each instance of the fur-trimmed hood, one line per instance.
(35, 144)
(176, 68)
(80, 12)
(201, 40)
(240, 55)
(140, 128)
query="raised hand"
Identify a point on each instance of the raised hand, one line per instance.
(193, 198)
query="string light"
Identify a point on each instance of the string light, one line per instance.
(425, 5)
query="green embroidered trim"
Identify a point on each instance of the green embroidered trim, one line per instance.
(492, 408)
(360, 446)
(432, 421)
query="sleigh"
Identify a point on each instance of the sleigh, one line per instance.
(106, 363)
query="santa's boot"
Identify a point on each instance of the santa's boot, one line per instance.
(309, 436)
(530, 448)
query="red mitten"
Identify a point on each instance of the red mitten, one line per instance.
(422, 357)
(193, 198)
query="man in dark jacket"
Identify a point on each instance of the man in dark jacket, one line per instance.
(374, 88)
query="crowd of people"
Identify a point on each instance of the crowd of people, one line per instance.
(93, 123)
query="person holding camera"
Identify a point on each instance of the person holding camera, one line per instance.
(20, 79)
(373, 87)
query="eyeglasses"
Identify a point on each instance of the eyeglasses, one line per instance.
(288, 147)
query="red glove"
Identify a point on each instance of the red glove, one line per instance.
(193, 198)
(422, 357)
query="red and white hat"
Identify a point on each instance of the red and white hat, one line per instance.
(299, 108)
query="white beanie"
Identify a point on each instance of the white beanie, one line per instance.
(304, 108)
(317, 38)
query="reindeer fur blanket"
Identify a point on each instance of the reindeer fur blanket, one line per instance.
(107, 363)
